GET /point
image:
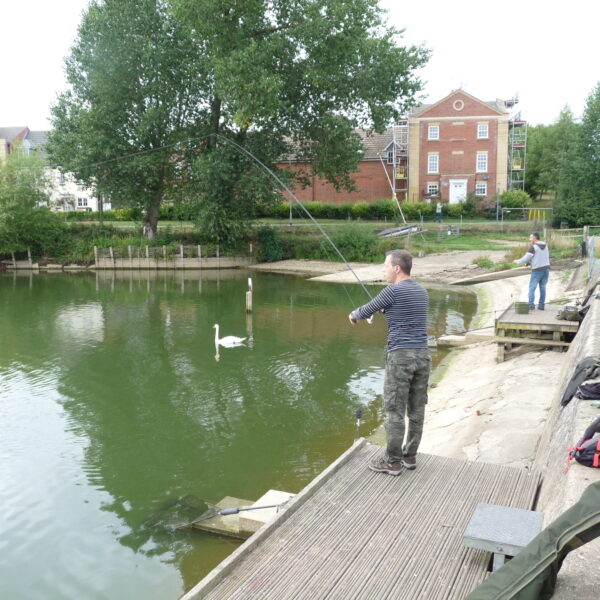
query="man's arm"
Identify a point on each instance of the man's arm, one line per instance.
(526, 258)
(382, 301)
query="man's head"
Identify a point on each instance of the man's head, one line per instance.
(398, 264)
(534, 237)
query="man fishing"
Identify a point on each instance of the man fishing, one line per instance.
(538, 256)
(404, 304)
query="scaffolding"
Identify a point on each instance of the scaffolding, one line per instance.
(400, 158)
(517, 148)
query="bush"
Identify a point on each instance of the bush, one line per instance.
(413, 211)
(41, 230)
(355, 243)
(515, 199)
(270, 245)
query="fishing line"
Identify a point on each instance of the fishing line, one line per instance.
(292, 195)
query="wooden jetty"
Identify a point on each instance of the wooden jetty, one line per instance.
(538, 327)
(353, 533)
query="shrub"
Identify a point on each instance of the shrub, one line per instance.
(360, 210)
(270, 245)
(355, 243)
(413, 211)
(515, 199)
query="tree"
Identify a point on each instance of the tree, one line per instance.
(290, 79)
(134, 92)
(578, 200)
(548, 148)
(25, 220)
(167, 95)
(23, 180)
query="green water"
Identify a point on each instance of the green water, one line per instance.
(112, 407)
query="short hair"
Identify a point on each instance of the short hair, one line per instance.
(402, 259)
(536, 235)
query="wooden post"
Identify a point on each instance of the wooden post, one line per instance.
(29, 257)
(218, 258)
(13, 260)
(96, 255)
(129, 252)
(200, 255)
(249, 301)
(147, 257)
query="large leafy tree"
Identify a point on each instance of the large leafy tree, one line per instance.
(134, 89)
(183, 88)
(578, 199)
(548, 151)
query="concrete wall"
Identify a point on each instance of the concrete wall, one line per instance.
(565, 425)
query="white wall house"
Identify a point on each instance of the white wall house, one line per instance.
(65, 192)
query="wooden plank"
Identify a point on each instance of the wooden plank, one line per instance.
(367, 535)
(532, 341)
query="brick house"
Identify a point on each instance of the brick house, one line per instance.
(458, 145)
(445, 150)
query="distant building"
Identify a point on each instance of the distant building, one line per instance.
(457, 146)
(66, 193)
(446, 150)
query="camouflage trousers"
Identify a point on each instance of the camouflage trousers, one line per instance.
(405, 396)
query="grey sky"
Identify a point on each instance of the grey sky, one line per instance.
(544, 50)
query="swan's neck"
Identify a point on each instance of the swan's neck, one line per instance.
(216, 335)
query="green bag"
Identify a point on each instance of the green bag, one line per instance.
(531, 575)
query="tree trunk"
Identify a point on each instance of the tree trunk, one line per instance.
(100, 210)
(215, 117)
(151, 217)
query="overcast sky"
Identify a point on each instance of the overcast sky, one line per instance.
(545, 51)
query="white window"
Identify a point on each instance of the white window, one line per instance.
(482, 131)
(62, 178)
(434, 132)
(433, 163)
(82, 202)
(481, 189)
(433, 189)
(481, 164)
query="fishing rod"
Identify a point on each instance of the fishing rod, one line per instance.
(224, 512)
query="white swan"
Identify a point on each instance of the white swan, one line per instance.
(229, 341)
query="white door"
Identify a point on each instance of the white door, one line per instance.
(458, 190)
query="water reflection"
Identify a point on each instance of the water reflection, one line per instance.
(122, 368)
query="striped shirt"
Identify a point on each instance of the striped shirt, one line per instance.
(405, 305)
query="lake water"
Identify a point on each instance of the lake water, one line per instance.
(113, 407)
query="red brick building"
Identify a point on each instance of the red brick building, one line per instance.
(458, 145)
(445, 150)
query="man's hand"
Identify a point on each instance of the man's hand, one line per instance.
(352, 320)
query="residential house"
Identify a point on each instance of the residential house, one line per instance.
(66, 193)
(445, 150)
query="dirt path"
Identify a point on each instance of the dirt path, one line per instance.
(440, 268)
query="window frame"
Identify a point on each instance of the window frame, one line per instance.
(481, 184)
(82, 202)
(479, 168)
(487, 131)
(429, 130)
(433, 189)
(430, 156)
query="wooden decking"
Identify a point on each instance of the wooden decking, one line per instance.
(538, 327)
(366, 535)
